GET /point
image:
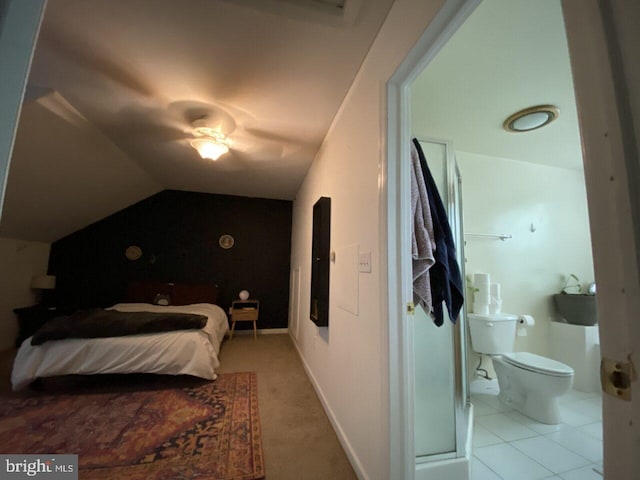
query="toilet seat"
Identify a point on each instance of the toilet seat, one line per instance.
(538, 364)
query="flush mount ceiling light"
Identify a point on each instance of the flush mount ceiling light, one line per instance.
(208, 142)
(531, 118)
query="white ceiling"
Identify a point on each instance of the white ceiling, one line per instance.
(272, 73)
(509, 55)
(67, 174)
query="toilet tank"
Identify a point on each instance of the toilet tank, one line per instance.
(492, 334)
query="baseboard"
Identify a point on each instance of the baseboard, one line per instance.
(262, 331)
(353, 458)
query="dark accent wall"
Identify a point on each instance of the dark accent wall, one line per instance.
(178, 233)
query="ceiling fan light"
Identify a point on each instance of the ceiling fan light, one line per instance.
(209, 148)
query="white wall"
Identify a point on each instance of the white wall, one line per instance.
(508, 196)
(20, 260)
(348, 361)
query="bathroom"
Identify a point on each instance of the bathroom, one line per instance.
(525, 218)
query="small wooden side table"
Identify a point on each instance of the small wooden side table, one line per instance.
(245, 311)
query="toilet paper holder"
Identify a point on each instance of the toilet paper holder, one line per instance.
(524, 321)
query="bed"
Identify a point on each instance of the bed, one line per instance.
(181, 352)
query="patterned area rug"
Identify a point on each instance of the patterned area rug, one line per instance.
(207, 430)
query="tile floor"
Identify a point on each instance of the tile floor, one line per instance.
(510, 446)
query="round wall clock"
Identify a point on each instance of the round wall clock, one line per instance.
(133, 252)
(226, 241)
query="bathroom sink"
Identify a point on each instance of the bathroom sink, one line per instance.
(577, 309)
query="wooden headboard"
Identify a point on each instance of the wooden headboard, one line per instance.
(179, 293)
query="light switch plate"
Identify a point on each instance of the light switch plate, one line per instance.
(364, 262)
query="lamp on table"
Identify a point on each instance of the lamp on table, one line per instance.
(44, 283)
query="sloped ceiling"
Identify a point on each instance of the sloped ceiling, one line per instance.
(270, 73)
(507, 56)
(65, 174)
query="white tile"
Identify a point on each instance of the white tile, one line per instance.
(480, 408)
(576, 395)
(479, 471)
(596, 399)
(591, 407)
(483, 437)
(537, 427)
(550, 455)
(576, 441)
(585, 473)
(511, 464)
(504, 427)
(573, 418)
(593, 429)
(598, 468)
(493, 401)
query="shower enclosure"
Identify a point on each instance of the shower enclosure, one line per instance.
(441, 405)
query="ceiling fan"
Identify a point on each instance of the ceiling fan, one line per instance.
(215, 131)
(209, 142)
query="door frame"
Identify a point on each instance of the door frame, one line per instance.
(396, 228)
(18, 35)
(610, 152)
(609, 181)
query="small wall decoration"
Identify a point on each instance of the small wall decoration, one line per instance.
(226, 241)
(133, 252)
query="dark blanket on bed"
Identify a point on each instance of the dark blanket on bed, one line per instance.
(99, 323)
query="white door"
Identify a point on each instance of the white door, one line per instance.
(603, 41)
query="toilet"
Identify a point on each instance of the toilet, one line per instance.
(529, 383)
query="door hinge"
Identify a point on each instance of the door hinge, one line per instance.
(616, 377)
(411, 308)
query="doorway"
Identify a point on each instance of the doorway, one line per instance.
(441, 30)
(526, 219)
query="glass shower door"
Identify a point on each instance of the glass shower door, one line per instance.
(440, 406)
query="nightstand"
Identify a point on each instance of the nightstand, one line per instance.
(244, 311)
(30, 319)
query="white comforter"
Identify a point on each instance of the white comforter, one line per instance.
(189, 352)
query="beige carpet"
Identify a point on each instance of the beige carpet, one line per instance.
(297, 438)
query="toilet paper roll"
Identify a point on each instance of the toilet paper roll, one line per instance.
(495, 291)
(482, 295)
(526, 321)
(521, 332)
(481, 279)
(495, 307)
(480, 308)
